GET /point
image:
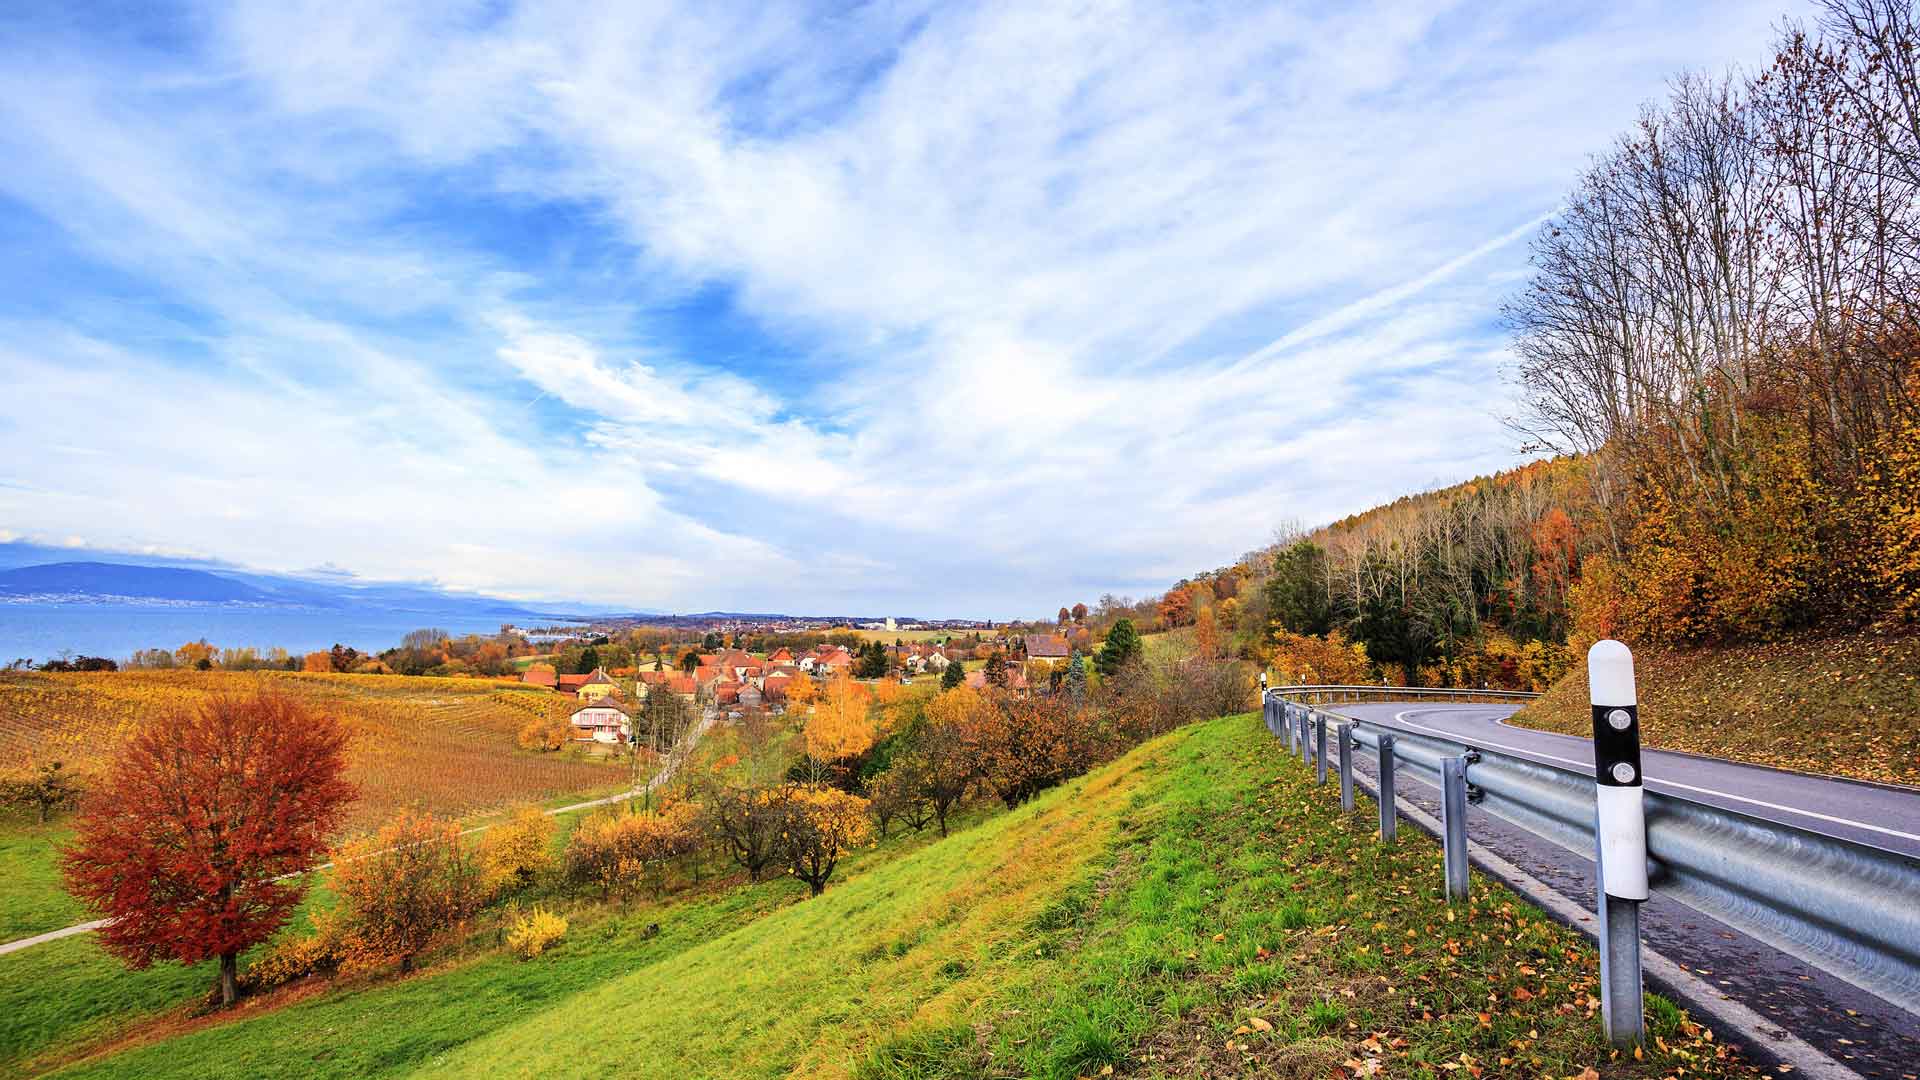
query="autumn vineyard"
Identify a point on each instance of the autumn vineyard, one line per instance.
(442, 745)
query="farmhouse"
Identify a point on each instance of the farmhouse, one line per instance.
(1052, 648)
(603, 720)
(596, 686)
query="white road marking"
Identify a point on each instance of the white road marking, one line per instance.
(1401, 717)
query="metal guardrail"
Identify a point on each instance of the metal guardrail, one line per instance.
(1850, 908)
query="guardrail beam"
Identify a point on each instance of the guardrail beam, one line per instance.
(1346, 768)
(1389, 810)
(1453, 820)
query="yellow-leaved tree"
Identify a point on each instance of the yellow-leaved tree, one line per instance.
(841, 726)
(516, 851)
(823, 824)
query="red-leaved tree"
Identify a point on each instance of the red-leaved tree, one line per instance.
(187, 848)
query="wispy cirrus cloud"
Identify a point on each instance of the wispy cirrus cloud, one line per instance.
(894, 307)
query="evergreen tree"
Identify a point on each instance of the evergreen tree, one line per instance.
(1122, 644)
(955, 674)
(589, 659)
(871, 662)
(1077, 678)
(1297, 593)
(996, 670)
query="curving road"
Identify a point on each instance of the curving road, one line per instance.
(1883, 815)
(1861, 1033)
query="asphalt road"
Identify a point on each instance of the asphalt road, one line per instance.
(1883, 815)
(1850, 1025)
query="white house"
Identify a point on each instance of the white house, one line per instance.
(602, 720)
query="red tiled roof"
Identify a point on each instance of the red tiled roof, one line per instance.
(681, 684)
(538, 677)
(1047, 646)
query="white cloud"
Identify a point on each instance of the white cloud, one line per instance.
(1046, 294)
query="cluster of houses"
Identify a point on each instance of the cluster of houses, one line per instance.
(736, 679)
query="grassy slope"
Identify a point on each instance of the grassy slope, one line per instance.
(67, 994)
(1846, 705)
(1196, 909)
(31, 901)
(750, 995)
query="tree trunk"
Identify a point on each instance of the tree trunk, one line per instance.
(229, 978)
(406, 964)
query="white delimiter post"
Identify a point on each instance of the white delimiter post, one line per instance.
(1620, 828)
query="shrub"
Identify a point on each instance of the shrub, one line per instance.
(545, 733)
(405, 886)
(515, 852)
(617, 851)
(534, 932)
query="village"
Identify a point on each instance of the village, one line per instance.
(731, 681)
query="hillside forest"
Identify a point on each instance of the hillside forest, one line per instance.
(1715, 362)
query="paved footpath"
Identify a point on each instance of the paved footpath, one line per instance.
(1873, 1037)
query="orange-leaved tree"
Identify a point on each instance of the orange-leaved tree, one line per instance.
(941, 753)
(802, 690)
(1024, 745)
(407, 884)
(187, 847)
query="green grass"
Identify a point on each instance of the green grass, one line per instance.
(31, 900)
(1241, 926)
(1198, 908)
(752, 983)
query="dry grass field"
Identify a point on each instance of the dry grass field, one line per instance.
(444, 745)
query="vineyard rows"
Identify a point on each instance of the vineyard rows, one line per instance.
(444, 745)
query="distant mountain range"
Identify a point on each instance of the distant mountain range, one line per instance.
(125, 582)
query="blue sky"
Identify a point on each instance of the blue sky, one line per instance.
(945, 309)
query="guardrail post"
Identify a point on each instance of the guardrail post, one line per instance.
(1346, 768)
(1320, 748)
(1300, 729)
(1453, 819)
(1620, 836)
(1389, 810)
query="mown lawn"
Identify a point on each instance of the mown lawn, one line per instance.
(1196, 909)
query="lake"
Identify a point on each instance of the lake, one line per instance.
(41, 631)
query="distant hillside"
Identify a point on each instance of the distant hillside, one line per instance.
(103, 580)
(138, 579)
